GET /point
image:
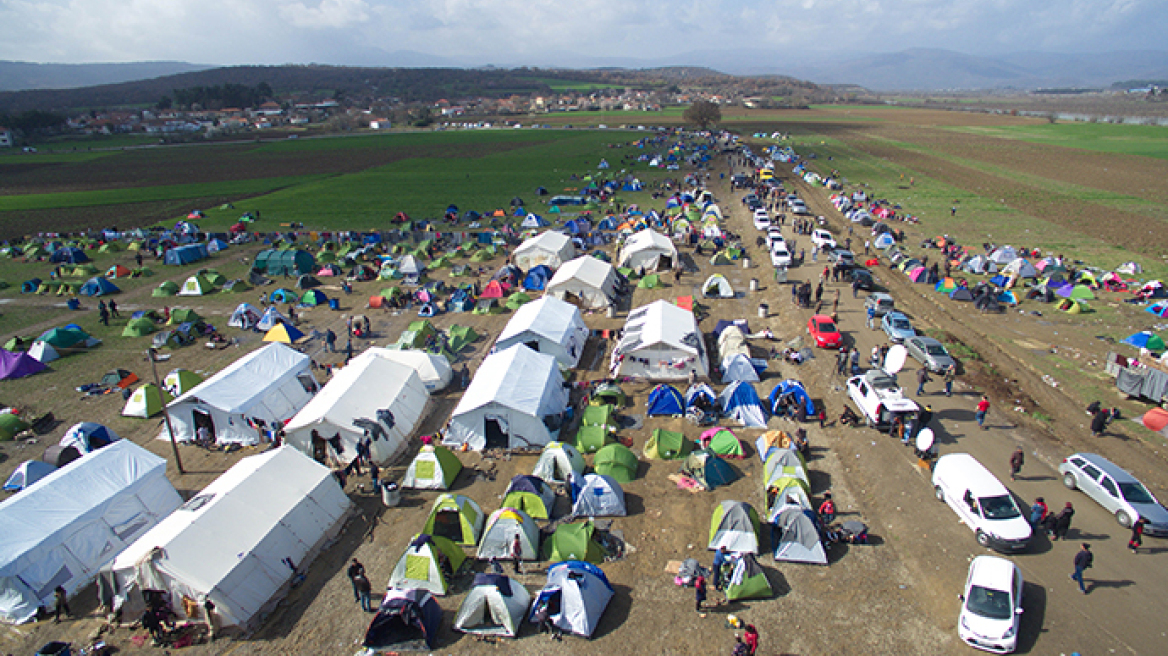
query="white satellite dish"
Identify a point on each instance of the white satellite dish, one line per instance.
(925, 440)
(894, 361)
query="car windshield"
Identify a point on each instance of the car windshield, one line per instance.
(829, 327)
(987, 602)
(998, 507)
(1135, 493)
(900, 324)
(935, 349)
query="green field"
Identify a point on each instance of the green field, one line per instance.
(1144, 140)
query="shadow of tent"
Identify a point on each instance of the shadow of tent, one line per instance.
(617, 611)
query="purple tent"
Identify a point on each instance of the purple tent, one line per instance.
(18, 365)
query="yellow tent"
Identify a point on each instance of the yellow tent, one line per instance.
(284, 333)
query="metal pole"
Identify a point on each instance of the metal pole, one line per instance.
(165, 413)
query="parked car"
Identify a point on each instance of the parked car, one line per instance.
(897, 326)
(780, 256)
(797, 206)
(880, 399)
(981, 502)
(1115, 489)
(749, 198)
(930, 353)
(880, 302)
(865, 277)
(822, 238)
(842, 256)
(824, 332)
(991, 606)
(762, 220)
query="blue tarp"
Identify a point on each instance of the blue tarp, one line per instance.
(187, 254)
(665, 400)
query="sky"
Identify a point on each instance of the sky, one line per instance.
(557, 32)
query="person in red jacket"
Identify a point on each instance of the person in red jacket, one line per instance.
(826, 510)
(983, 406)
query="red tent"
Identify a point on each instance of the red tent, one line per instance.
(492, 289)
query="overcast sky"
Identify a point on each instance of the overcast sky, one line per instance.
(556, 32)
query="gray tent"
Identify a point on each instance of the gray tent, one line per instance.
(598, 496)
(734, 525)
(495, 606)
(800, 541)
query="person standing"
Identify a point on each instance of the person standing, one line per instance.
(60, 603)
(348, 350)
(212, 619)
(364, 592)
(854, 358)
(871, 317)
(750, 637)
(517, 553)
(922, 378)
(826, 510)
(719, 563)
(1017, 459)
(740, 648)
(330, 341)
(113, 308)
(1099, 422)
(1137, 535)
(1084, 559)
(983, 406)
(356, 569)
(699, 595)
(1062, 522)
(103, 314)
(950, 376)
(841, 361)
(1038, 512)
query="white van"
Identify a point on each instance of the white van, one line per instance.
(982, 502)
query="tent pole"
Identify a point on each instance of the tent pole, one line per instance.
(150, 353)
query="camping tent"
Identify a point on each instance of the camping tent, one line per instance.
(434, 468)
(735, 525)
(98, 287)
(738, 367)
(284, 262)
(516, 400)
(740, 402)
(12, 424)
(558, 462)
(1019, 268)
(723, 442)
(285, 333)
(456, 518)
(188, 254)
(573, 542)
(791, 391)
(88, 436)
(269, 384)
(196, 285)
(495, 606)
(74, 521)
(18, 365)
(245, 316)
(421, 566)
(532, 495)
(167, 288)
(586, 282)
(596, 495)
(664, 400)
(371, 397)
(27, 473)
(537, 278)
(550, 248)
(748, 580)
(549, 326)
(1145, 340)
(433, 370)
(1004, 255)
(661, 341)
(617, 461)
(181, 381)
(800, 541)
(500, 531)
(716, 286)
(710, 471)
(145, 402)
(576, 594)
(648, 251)
(407, 620)
(270, 319)
(667, 445)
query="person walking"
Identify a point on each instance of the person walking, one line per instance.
(1017, 459)
(1137, 535)
(826, 510)
(113, 308)
(871, 318)
(330, 341)
(356, 569)
(699, 595)
(1038, 512)
(103, 314)
(719, 563)
(364, 592)
(1099, 422)
(1062, 522)
(740, 648)
(750, 637)
(854, 357)
(983, 406)
(841, 360)
(60, 603)
(1084, 559)
(922, 378)
(348, 350)
(950, 376)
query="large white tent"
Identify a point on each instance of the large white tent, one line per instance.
(233, 541)
(550, 248)
(62, 529)
(661, 342)
(514, 396)
(586, 281)
(373, 397)
(270, 384)
(434, 370)
(648, 251)
(550, 326)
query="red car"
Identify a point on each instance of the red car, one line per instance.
(823, 330)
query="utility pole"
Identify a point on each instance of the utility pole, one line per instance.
(150, 353)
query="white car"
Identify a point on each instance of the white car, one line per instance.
(762, 220)
(821, 238)
(797, 206)
(981, 502)
(991, 607)
(780, 256)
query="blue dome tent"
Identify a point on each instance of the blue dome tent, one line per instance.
(665, 400)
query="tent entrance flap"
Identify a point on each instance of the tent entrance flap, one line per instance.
(448, 524)
(201, 419)
(495, 429)
(533, 345)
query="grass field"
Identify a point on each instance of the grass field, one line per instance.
(1143, 140)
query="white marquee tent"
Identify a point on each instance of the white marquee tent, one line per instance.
(513, 397)
(231, 541)
(550, 326)
(354, 404)
(549, 248)
(585, 281)
(62, 529)
(434, 370)
(661, 342)
(648, 251)
(271, 384)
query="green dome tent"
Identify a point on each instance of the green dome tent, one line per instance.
(667, 445)
(651, 281)
(573, 542)
(139, 327)
(10, 425)
(181, 381)
(516, 300)
(146, 401)
(617, 461)
(591, 439)
(183, 315)
(168, 288)
(748, 580)
(456, 518)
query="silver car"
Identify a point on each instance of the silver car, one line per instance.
(1116, 490)
(930, 353)
(897, 327)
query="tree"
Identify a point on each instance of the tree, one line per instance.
(703, 114)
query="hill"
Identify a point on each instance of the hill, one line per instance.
(19, 76)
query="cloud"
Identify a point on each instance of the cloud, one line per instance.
(333, 14)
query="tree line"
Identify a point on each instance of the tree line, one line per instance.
(218, 96)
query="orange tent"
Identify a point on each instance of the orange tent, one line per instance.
(376, 302)
(685, 302)
(1156, 419)
(118, 271)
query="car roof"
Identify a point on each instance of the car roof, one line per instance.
(880, 296)
(978, 480)
(1120, 474)
(926, 341)
(896, 313)
(992, 568)
(817, 318)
